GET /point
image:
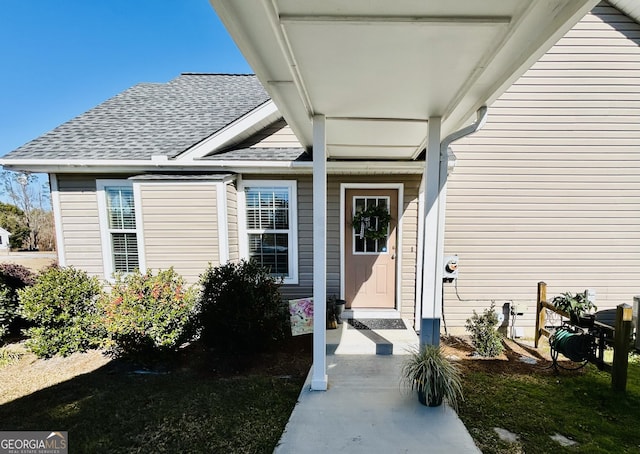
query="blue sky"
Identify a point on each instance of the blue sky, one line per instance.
(60, 58)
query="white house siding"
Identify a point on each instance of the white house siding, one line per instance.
(549, 190)
(180, 226)
(305, 242)
(232, 222)
(278, 135)
(80, 225)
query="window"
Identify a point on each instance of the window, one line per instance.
(362, 244)
(120, 234)
(270, 225)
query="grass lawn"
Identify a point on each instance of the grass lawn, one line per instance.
(537, 404)
(113, 409)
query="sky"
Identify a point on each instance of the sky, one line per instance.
(59, 58)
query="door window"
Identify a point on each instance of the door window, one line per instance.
(361, 243)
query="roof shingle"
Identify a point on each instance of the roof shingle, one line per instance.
(151, 119)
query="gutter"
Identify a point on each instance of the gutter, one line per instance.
(259, 167)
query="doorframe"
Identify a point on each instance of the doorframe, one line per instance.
(343, 191)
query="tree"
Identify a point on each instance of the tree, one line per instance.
(31, 199)
(12, 220)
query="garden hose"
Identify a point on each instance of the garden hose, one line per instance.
(575, 346)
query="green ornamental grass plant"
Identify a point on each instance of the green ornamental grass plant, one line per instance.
(434, 376)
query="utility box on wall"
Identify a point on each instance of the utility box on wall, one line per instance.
(450, 268)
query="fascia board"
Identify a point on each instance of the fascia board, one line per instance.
(259, 117)
(114, 166)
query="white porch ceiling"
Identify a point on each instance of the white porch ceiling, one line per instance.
(378, 69)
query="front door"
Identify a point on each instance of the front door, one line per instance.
(370, 258)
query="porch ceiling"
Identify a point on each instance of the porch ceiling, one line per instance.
(378, 69)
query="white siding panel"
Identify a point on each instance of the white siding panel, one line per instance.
(550, 188)
(280, 136)
(232, 222)
(180, 226)
(80, 224)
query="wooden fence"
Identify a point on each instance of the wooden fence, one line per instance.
(616, 335)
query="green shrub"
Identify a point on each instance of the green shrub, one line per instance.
(241, 308)
(61, 306)
(13, 277)
(146, 314)
(8, 310)
(484, 336)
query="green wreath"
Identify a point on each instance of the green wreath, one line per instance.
(362, 222)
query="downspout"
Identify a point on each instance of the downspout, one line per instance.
(433, 337)
(481, 119)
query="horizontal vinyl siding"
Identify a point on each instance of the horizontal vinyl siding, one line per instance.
(409, 245)
(304, 288)
(80, 225)
(232, 222)
(549, 189)
(180, 226)
(279, 135)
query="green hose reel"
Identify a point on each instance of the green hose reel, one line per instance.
(577, 346)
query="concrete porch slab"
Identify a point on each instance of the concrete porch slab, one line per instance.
(346, 340)
(365, 410)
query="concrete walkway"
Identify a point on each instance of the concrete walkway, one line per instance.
(365, 410)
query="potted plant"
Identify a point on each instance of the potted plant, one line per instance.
(578, 306)
(435, 377)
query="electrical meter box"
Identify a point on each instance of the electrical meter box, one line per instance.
(450, 268)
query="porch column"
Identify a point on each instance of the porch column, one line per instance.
(432, 248)
(319, 379)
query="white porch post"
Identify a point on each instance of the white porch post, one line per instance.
(432, 248)
(319, 379)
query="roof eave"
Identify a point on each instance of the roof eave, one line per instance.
(58, 166)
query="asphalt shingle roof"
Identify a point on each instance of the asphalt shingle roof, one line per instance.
(261, 154)
(151, 119)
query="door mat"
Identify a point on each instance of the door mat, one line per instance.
(377, 323)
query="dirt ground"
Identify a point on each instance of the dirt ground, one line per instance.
(35, 261)
(519, 357)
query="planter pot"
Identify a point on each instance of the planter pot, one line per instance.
(340, 304)
(422, 397)
(586, 320)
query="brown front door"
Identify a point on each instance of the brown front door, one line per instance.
(370, 265)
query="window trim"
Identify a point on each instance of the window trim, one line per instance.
(291, 186)
(107, 252)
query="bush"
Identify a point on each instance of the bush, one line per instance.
(8, 310)
(146, 314)
(241, 308)
(13, 277)
(61, 305)
(484, 336)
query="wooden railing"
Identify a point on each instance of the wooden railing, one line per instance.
(620, 332)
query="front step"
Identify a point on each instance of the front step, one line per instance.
(346, 340)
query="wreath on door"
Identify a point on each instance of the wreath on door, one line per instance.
(364, 222)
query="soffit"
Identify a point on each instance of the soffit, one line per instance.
(378, 70)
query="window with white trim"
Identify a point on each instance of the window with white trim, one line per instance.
(120, 224)
(271, 227)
